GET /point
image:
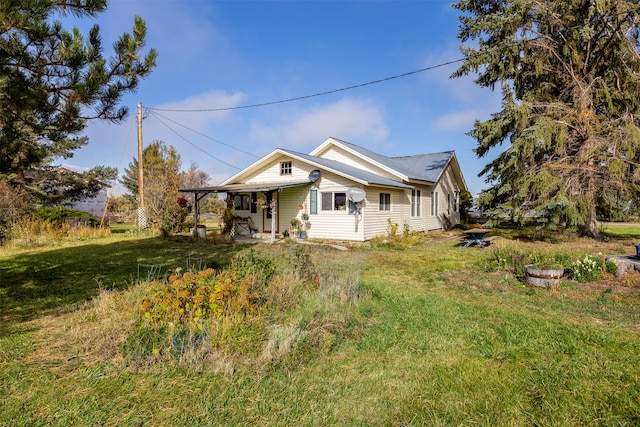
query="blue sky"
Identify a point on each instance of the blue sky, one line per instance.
(221, 54)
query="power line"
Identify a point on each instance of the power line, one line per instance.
(329, 92)
(202, 134)
(191, 143)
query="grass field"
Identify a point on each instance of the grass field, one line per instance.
(442, 338)
(622, 230)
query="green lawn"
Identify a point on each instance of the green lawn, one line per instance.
(442, 340)
(622, 230)
(36, 281)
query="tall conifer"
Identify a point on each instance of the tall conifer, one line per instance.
(569, 72)
(52, 82)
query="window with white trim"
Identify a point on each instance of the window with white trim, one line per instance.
(285, 168)
(333, 201)
(313, 202)
(434, 203)
(415, 202)
(385, 202)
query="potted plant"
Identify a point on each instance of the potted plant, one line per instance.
(305, 216)
(544, 272)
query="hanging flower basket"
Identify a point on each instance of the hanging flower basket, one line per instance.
(182, 202)
(261, 203)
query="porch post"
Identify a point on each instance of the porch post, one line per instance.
(196, 212)
(274, 212)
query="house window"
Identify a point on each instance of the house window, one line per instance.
(456, 201)
(415, 202)
(313, 202)
(434, 203)
(334, 201)
(448, 203)
(285, 168)
(385, 201)
(242, 202)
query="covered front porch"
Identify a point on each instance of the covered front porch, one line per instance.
(257, 207)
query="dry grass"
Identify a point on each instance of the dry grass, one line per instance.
(30, 231)
(89, 336)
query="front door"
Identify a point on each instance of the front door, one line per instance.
(268, 213)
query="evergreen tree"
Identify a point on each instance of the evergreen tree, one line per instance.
(52, 82)
(570, 78)
(161, 180)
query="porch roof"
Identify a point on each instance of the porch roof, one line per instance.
(246, 188)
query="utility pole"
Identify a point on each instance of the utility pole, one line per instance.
(142, 215)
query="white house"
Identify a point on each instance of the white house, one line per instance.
(342, 191)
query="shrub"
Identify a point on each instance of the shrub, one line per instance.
(591, 268)
(255, 266)
(586, 269)
(508, 259)
(193, 297)
(192, 317)
(61, 215)
(299, 260)
(14, 205)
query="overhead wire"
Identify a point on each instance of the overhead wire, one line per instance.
(329, 92)
(191, 143)
(204, 135)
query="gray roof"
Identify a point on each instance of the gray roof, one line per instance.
(424, 167)
(359, 174)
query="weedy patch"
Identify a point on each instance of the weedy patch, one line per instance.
(271, 303)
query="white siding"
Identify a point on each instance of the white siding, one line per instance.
(288, 200)
(446, 188)
(377, 221)
(420, 222)
(336, 225)
(271, 172)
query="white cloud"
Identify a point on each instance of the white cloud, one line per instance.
(354, 119)
(204, 101)
(459, 120)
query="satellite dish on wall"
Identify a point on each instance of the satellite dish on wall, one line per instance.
(355, 194)
(314, 175)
